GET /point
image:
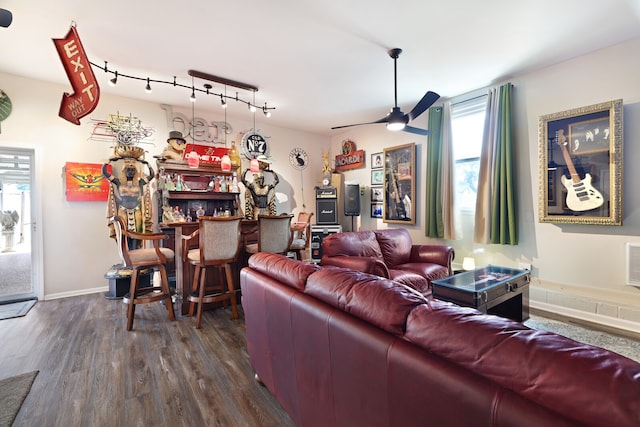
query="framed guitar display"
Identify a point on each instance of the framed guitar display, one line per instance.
(581, 165)
(399, 184)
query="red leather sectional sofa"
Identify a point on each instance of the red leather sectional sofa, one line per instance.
(338, 347)
(389, 253)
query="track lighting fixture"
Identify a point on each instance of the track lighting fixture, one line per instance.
(223, 97)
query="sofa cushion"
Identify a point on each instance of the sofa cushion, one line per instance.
(379, 301)
(410, 279)
(554, 371)
(283, 269)
(362, 243)
(426, 270)
(395, 245)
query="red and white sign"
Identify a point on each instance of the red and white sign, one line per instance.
(86, 91)
(208, 155)
(350, 157)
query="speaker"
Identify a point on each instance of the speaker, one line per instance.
(326, 211)
(352, 200)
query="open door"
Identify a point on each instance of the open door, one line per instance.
(17, 231)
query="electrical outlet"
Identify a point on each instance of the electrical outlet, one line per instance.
(524, 266)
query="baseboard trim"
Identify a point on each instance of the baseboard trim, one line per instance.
(79, 292)
(595, 321)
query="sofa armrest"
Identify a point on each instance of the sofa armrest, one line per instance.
(362, 264)
(437, 254)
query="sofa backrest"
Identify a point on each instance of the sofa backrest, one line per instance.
(352, 243)
(554, 371)
(376, 300)
(283, 269)
(395, 245)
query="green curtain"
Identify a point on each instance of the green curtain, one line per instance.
(504, 214)
(434, 226)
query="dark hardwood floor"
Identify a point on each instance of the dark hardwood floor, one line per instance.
(95, 373)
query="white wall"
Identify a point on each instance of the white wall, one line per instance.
(578, 270)
(76, 248)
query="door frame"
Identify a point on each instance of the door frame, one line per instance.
(37, 267)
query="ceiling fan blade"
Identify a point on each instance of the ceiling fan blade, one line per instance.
(382, 120)
(417, 131)
(427, 101)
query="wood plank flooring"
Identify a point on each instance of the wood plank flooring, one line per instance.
(95, 373)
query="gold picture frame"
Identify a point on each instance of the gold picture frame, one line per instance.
(582, 149)
(399, 184)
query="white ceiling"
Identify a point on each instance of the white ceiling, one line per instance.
(321, 63)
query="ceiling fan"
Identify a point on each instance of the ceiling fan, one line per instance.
(396, 119)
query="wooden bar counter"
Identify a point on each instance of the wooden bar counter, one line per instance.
(184, 272)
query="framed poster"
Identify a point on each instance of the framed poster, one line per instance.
(376, 161)
(399, 184)
(377, 194)
(581, 169)
(376, 210)
(84, 182)
(377, 177)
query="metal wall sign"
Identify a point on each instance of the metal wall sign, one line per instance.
(350, 157)
(254, 144)
(86, 91)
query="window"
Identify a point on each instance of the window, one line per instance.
(467, 128)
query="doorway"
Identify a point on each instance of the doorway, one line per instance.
(17, 225)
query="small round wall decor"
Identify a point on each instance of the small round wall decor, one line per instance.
(298, 158)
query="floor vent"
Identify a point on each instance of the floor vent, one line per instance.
(633, 264)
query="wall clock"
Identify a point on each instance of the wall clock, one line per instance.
(298, 158)
(254, 144)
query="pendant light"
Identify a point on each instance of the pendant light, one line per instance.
(193, 159)
(254, 166)
(225, 163)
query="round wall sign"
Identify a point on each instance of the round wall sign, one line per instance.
(5, 105)
(254, 144)
(298, 158)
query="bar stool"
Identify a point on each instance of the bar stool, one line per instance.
(218, 247)
(140, 260)
(274, 234)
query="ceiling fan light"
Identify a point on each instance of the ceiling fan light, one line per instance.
(395, 126)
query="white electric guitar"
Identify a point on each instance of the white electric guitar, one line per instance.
(581, 196)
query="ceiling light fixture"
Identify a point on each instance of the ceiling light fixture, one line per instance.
(193, 159)
(254, 165)
(223, 81)
(147, 88)
(225, 162)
